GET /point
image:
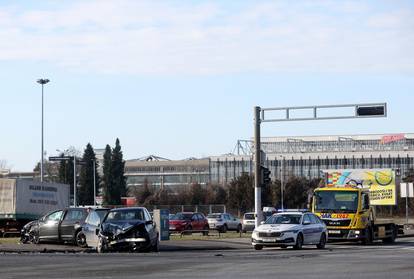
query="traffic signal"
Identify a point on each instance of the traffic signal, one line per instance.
(265, 175)
(370, 111)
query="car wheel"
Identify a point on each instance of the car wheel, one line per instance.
(80, 239)
(299, 242)
(35, 239)
(101, 248)
(283, 246)
(205, 230)
(258, 247)
(156, 246)
(322, 242)
(224, 228)
(239, 228)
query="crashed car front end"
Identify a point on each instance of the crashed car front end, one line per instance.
(124, 236)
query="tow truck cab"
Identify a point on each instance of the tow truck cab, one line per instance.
(348, 215)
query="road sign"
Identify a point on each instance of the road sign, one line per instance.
(407, 190)
(80, 162)
(60, 158)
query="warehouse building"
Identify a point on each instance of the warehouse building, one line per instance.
(289, 156)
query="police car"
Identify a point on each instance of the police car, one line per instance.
(292, 228)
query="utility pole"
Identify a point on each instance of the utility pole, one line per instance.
(282, 183)
(257, 162)
(42, 82)
(74, 181)
(94, 183)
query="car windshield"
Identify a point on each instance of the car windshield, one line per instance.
(336, 201)
(125, 215)
(101, 213)
(214, 216)
(284, 219)
(181, 216)
(249, 216)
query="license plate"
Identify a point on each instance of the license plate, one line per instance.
(267, 239)
(334, 232)
(172, 228)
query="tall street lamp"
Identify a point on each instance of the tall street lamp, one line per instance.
(42, 82)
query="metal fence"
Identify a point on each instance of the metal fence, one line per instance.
(205, 208)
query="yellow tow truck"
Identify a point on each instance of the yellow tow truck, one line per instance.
(348, 215)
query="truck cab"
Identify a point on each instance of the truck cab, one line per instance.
(348, 215)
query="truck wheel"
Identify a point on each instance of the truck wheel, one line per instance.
(368, 236)
(393, 236)
(322, 242)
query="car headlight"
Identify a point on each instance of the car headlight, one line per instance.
(254, 234)
(291, 231)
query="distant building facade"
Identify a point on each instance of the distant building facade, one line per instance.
(161, 172)
(288, 156)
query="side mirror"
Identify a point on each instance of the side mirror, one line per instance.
(262, 223)
(150, 222)
(305, 223)
(97, 231)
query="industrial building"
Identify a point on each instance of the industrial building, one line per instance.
(303, 156)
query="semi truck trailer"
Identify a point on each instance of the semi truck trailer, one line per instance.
(22, 201)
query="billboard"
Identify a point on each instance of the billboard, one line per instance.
(380, 182)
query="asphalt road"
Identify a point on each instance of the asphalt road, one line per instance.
(336, 261)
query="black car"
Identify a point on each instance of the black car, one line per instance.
(127, 229)
(58, 226)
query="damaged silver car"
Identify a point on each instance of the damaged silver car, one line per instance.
(127, 229)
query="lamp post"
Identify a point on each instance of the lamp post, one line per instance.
(94, 182)
(42, 82)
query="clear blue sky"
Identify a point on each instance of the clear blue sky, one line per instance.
(179, 79)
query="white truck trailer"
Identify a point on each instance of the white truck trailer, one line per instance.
(23, 200)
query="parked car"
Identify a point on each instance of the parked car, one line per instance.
(130, 228)
(189, 221)
(248, 222)
(59, 226)
(92, 223)
(223, 222)
(291, 229)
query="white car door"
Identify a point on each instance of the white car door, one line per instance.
(318, 228)
(308, 230)
(89, 229)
